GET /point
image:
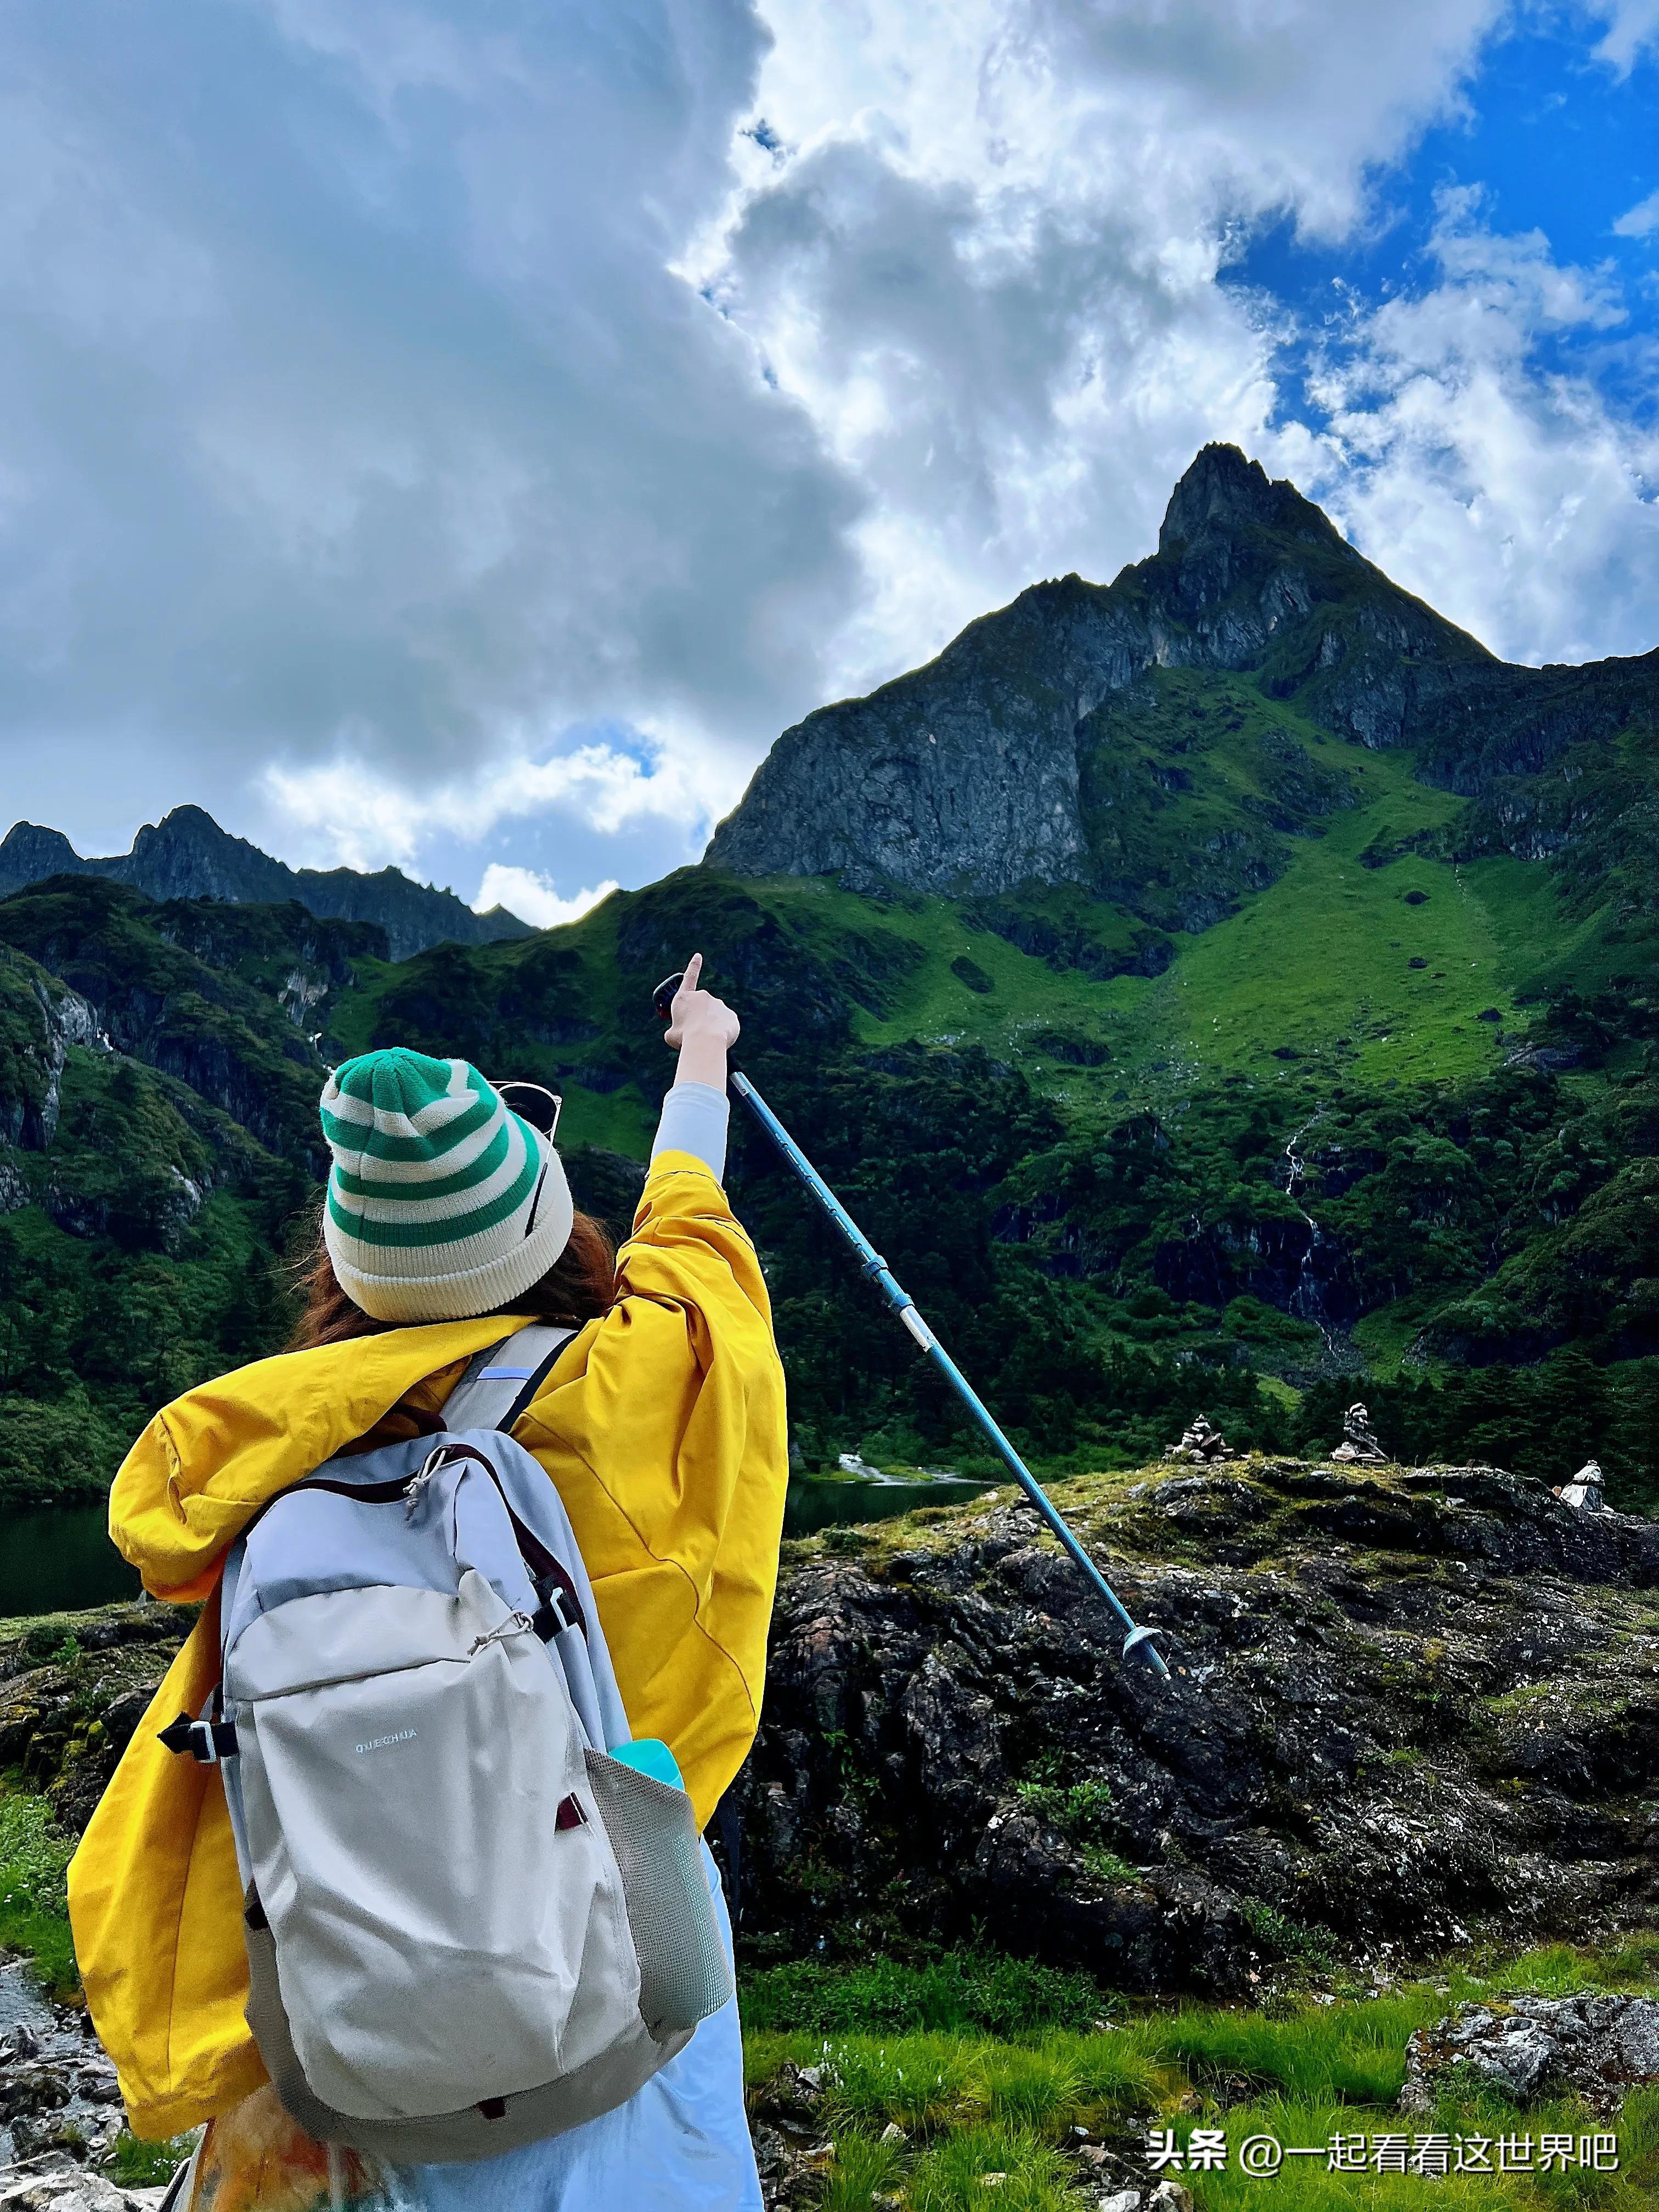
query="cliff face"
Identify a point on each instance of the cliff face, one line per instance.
(187, 856)
(963, 776)
(974, 774)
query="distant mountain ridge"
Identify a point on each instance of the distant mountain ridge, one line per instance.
(186, 855)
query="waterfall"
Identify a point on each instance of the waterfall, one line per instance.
(1307, 1299)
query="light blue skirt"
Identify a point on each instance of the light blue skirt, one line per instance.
(680, 2144)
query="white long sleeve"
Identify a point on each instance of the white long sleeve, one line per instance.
(695, 1117)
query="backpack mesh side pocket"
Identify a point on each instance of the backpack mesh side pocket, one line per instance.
(684, 1974)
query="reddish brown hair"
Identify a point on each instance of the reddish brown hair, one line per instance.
(580, 1283)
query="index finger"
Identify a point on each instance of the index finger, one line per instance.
(693, 969)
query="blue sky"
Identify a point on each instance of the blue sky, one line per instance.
(464, 436)
(1555, 142)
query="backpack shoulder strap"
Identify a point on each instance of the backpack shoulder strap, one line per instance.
(500, 1381)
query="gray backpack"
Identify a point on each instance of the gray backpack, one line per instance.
(476, 1913)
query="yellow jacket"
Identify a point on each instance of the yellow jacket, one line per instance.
(662, 1425)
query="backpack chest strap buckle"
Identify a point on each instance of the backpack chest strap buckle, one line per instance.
(208, 1742)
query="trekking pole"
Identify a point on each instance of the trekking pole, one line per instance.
(900, 1303)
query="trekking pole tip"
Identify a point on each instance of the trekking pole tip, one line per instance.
(1141, 1639)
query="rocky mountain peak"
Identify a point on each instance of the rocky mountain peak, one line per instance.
(30, 852)
(1223, 494)
(187, 856)
(973, 775)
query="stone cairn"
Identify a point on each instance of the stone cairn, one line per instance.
(1201, 1445)
(1584, 1491)
(1358, 1443)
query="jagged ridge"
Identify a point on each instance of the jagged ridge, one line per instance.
(186, 855)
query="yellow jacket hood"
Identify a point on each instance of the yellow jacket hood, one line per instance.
(661, 1424)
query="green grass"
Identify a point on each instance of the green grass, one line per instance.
(1083, 1811)
(1352, 2052)
(934, 1003)
(1323, 954)
(619, 1121)
(1307, 2185)
(623, 1120)
(986, 2165)
(33, 1890)
(135, 2165)
(977, 2166)
(1386, 1336)
(957, 1991)
(969, 2106)
(966, 2112)
(1074, 1806)
(863, 2174)
(1044, 2083)
(1288, 1938)
(974, 2104)
(1629, 1962)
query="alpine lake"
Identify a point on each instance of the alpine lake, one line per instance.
(60, 1560)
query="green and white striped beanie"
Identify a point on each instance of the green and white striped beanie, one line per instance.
(441, 1202)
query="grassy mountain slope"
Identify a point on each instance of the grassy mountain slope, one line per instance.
(1318, 966)
(1074, 1150)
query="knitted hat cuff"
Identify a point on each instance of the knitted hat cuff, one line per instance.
(495, 1282)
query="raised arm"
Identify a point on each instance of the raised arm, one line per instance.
(702, 1030)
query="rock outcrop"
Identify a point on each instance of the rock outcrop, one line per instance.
(39, 1020)
(970, 773)
(1405, 1704)
(118, 972)
(59, 2093)
(72, 1690)
(55, 2183)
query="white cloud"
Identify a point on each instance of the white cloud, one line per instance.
(350, 811)
(1506, 492)
(533, 898)
(986, 259)
(994, 282)
(1632, 27)
(1641, 221)
(349, 410)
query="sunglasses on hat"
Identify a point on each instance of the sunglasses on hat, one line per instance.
(532, 1102)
